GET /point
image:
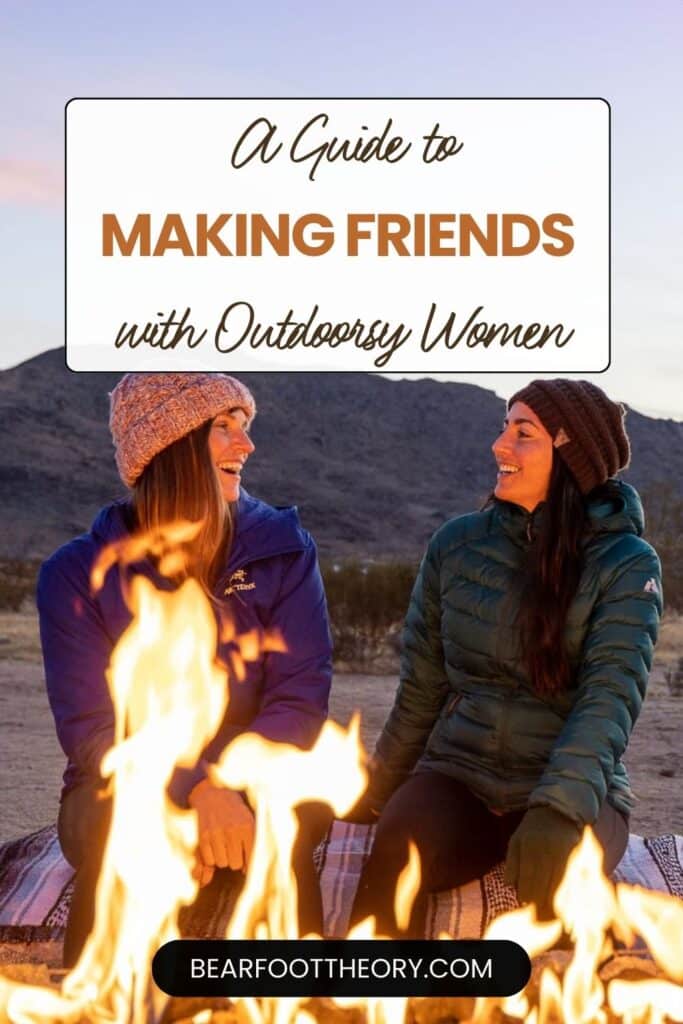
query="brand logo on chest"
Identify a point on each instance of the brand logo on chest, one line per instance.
(238, 581)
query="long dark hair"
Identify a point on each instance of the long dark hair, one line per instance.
(550, 580)
(180, 483)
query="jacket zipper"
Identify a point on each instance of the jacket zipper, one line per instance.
(509, 699)
(452, 704)
(530, 516)
(502, 742)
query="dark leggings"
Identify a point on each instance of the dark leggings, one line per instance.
(458, 839)
(83, 825)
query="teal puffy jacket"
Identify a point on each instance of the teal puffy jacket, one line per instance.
(465, 705)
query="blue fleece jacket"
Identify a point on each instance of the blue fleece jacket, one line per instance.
(271, 580)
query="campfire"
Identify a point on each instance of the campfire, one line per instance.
(169, 696)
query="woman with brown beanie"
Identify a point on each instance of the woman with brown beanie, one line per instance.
(182, 441)
(526, 652)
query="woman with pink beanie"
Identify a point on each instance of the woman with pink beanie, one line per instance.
(181, 443)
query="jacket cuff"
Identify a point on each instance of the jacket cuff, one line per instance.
(183, 782)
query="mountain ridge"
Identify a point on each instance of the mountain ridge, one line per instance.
(375, 465)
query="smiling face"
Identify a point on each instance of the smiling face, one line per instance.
(524, 453)
(230, 446)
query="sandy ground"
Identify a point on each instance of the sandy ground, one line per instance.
(31, 761)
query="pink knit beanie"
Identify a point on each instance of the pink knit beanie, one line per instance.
(149, 411)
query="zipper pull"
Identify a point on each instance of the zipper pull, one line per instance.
(452, 703)
(528, 530)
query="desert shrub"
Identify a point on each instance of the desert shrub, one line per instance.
(17, 583)
(674, 678)
(366, 600)
(664, 529)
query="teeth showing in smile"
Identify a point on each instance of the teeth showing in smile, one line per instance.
(506, 467)
(231, 467)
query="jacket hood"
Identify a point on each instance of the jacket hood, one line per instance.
(266, 529)
(113, 522)
(616, 508)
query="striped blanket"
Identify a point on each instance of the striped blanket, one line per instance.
(36, 885)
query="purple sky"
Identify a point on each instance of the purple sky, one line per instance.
(627, 52)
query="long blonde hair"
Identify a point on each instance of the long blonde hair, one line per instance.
(180, 483)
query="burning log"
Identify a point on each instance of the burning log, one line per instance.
(439, 1011)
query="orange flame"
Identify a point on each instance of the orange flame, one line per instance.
(659, 919)
(277, 777)
(407, 888)
(170, 697)
(162, 544)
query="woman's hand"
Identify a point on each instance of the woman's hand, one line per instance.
(226, 829)
(363, 812)
(201, 873)
(537, 857)
(369, 805)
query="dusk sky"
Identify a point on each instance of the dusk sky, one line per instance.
(627, 52)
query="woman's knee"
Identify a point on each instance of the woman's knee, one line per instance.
(611, 831)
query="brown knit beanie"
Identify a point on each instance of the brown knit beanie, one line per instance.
(149, 411)
(586, 426)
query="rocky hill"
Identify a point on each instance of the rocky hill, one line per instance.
(374, 465)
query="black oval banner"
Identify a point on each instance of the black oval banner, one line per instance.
(214, 967)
